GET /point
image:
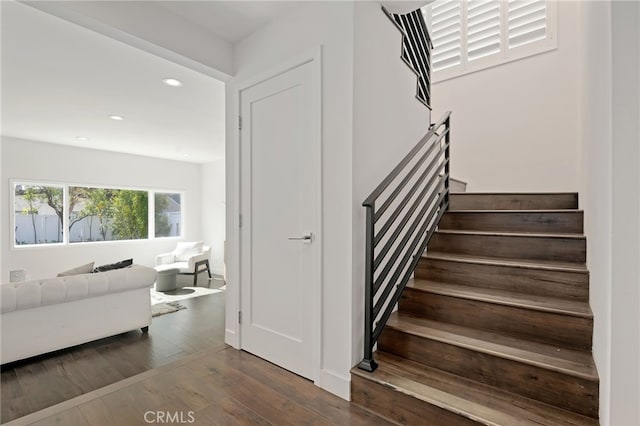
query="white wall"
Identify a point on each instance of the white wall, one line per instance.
(305, 28)
(515, 126)
(387, 122)
(610, 196)
(625, 279)
(37, 161)
(596, 181)
(213, 212)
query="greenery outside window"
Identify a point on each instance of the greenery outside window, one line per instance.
(104, 214)
(59, 214)
(167, 214)
(38, 214)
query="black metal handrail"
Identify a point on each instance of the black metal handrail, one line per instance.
(418, 190)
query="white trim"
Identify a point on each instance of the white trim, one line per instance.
(335, 383)
(232, 332)
(231, 338)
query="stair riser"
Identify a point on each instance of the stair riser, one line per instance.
(513, 201)
(400, 407)
(568, 392)
(514, 247)
(567, 222)
(565, 285)
(555, 329)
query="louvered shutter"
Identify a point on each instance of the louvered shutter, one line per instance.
(469, 35)
(446, 34)
(483, 28)
(526, 21)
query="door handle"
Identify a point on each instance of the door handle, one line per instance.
(307, 238)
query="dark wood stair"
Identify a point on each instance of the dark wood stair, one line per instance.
(495, 328)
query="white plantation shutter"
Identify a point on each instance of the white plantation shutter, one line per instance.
(527, 21)
(483, 28)
(469, 35)
(446, 32)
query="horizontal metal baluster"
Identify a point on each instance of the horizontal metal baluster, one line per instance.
(403, 242)
(385, 249)
(408, 254)
(387, 203)
(387, 313)
(387, 225)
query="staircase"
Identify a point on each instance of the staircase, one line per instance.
(495, 328)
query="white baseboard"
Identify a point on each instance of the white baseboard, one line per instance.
(231, 338)
(335, 383)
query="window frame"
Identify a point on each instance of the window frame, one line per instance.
(65, 225)
(13, 183)
(506, 54)
(152, 213)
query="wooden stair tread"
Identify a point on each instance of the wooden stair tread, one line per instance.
(482, 403)
(506, 211)
(566, 361)
(503, 297)
(512, 234)
(526, 194)
(553, 265)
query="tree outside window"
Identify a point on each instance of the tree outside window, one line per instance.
(38, 214)
(93, 214)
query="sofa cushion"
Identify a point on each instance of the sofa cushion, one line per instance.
(28, 295)
(32, 294)
(84, 269)
(111, 266)
(77, 287)
(52, 291)
(185, 250)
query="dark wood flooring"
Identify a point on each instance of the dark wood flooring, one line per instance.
(180, 373)
(31, 385)
(220, 386)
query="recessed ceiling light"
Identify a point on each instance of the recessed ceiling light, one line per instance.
(172, 82)
(82, 138)
(116, 117)
(186, 155)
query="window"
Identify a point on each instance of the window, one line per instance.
(471, 35)
(38, 214)
(60, 214)
(103, 214)
(168, 214)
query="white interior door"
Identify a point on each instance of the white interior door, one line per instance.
(279, 210)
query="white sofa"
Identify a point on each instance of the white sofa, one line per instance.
(41, 316)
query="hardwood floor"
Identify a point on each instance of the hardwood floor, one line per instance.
(181, 373)
(31, 385)
(218, 386)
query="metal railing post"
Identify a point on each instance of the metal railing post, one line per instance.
(368, 363)
(447, 157)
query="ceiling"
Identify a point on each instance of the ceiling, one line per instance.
(230, 20)
(60, 82)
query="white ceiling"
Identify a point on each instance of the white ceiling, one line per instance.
(229, 20)
(61, 81)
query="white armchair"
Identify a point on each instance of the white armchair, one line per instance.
(190, 258)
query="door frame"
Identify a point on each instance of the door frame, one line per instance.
(234, 184)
